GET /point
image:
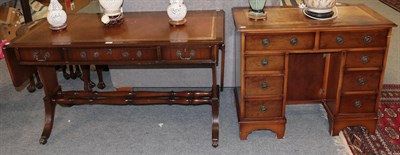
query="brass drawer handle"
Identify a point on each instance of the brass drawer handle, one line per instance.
(96, 54)
(264, 62)
(361, 81)
(109, 51)
(139, 54)
(45, 57)
(294, 41)
(367, 39)
(339, 40)
(357, 104)
(83, 55)
(264, 85)
(265, 42)
(125, 54)
(263, 108)
(191, 54)
(365, 59)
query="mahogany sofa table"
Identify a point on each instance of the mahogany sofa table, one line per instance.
(143, 40)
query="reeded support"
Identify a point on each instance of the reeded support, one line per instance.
(86, 78)
(99, 70)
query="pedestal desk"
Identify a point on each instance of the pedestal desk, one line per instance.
(143, 40)
(292, 59)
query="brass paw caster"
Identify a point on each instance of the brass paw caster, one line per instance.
(215, 144)
(31, 88)
(101, 85)
(92, 84)
(43, 140)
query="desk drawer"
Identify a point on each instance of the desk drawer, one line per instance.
(353, 39)
(361, 80)
(264, 62)
(187, 53)
(279, 41)
(263, 108)
(263, 85)
(112, 54)
(40, 55)
(358, 104)
(365, 59)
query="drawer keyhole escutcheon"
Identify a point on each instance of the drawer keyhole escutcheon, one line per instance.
(365, 59)
(294, 41)
(357, 104)
(264, 85)
(139, 53)
(339, 40)
(264, 62)
(367, 39)
(263, 108)
(361, 81)
(83, 55)
(125, 54)
(265, 42)
(45, 57)
(191, 54)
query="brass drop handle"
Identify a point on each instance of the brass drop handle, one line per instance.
(125, 54)
(264, 85)
(263, 108)
(357, 104)
(367, 39)
(191, 54)
(265, 42)
(264, 62)
(361, 81)
(294, 41)
(365, 59)
(45, 57)
(339, 40)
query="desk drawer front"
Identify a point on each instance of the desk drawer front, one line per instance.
(263, 85)
(353, 39)
(263, 108)
(187, 53)
(264, 63)
(110, 54)
(41, 55)
(365, 59)
(358, 104)
(357, 80)
(279, 41)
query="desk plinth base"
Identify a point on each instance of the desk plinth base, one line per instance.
(338, 123)
(277, 126)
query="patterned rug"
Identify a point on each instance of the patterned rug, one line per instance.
(395, 4)
(386, 139)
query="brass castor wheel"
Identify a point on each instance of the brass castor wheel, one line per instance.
(43, 140)
(215, 144)
(92, 84)
(31, 88)
(101, 85)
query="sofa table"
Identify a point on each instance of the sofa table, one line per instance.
(143, 40)
(292, 59)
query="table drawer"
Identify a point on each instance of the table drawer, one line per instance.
(187, 53)
(361, 80)
(40, 55)
(263, 108)
(110, 54)
(353, 39)
(263, 85)
(358, 104)
(365, 59)
(264, 62)
(279, 41)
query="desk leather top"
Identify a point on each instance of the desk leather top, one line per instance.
(138, 28)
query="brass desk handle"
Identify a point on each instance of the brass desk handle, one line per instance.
(263, 108)
(293, 41)
(265, 42)
(367, 39)
(339, 40)
(365, 59)
(361, 81)
(357, 104)
(191, 54)
(36, 56)
(264, 62)
(264, 85)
